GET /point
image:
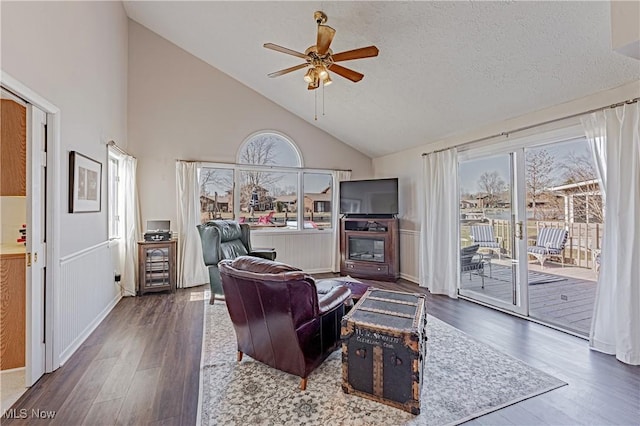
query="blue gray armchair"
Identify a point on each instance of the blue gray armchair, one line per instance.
(226, 239)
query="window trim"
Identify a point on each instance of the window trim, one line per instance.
(118, 157)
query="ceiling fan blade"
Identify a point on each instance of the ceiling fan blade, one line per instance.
(346, 73)
(284, 50)
(312, 87)
(363, 52)
(325, 36)
(286, 70)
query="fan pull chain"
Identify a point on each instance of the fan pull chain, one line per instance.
(315, 104)
(323, 98)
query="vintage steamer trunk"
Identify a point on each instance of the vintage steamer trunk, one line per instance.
(383, 348)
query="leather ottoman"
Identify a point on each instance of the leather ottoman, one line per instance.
(358, 289)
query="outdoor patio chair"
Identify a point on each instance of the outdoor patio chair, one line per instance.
(550, 243)
(471, 260)
(483, 236)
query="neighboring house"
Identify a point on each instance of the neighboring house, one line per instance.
(313, 202)
(318, 202)
(582, 201)
(468, 204)
(221, 203)
(289, 202)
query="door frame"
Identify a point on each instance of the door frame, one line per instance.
(52, 212)
(567, 130)
(517, 185)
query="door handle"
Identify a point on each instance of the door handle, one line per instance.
(518, 230)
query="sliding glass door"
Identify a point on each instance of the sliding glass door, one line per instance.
(493, 261)
(531, 225)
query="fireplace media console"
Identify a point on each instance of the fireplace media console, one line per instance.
(370, 247)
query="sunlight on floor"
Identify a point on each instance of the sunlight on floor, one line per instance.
(12, 385)
(197, 296)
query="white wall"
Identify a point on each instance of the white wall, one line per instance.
(74, 54)
(407, 165)
(182, 108)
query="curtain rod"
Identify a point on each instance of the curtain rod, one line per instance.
(262, 165)
(522, 129)
(115, 146)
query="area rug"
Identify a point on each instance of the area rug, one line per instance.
(464, 379)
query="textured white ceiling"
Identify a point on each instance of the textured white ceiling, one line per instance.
(443, 68)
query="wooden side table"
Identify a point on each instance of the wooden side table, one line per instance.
(156, 266)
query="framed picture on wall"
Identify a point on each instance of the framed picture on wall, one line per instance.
(85, 183)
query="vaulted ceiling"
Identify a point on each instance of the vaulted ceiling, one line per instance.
(444, 68)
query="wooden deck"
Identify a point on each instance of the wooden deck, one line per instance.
(560, 296)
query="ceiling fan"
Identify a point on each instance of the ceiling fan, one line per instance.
(320, 59)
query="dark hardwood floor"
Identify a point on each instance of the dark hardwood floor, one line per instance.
(141, 366)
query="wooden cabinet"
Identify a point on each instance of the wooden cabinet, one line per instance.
(13, 149)
(157, 266)
(13, 284)
(370, 248)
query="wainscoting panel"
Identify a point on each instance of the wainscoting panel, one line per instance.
(86, 294)
(310, 251)
(410, 255)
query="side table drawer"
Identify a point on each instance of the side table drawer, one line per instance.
(368, 268)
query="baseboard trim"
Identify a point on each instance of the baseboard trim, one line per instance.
(408, 277)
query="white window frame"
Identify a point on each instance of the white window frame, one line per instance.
(237, 168)
(115, 225)
(300, 170)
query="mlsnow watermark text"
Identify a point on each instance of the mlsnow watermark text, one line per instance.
(23, 413)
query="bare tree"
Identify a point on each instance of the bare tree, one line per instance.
(579, 170)
(493, 185)
(214, 182)
(538, 176)
(207, 178)
(257, 152)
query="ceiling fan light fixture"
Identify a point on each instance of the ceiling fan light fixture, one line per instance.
(322, 71)
(319, 59)
(310, 76)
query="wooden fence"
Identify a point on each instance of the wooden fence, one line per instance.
(582, 240)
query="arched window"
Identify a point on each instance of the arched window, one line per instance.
(269, 149)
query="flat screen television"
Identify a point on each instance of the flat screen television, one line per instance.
(369, 197)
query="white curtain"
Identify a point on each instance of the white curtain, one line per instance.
(338, 176)
(596, 135)
(128, 247)
(439, 228)
(191, 268)
(615, 328)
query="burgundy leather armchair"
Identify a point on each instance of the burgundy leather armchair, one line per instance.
(281, 317)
